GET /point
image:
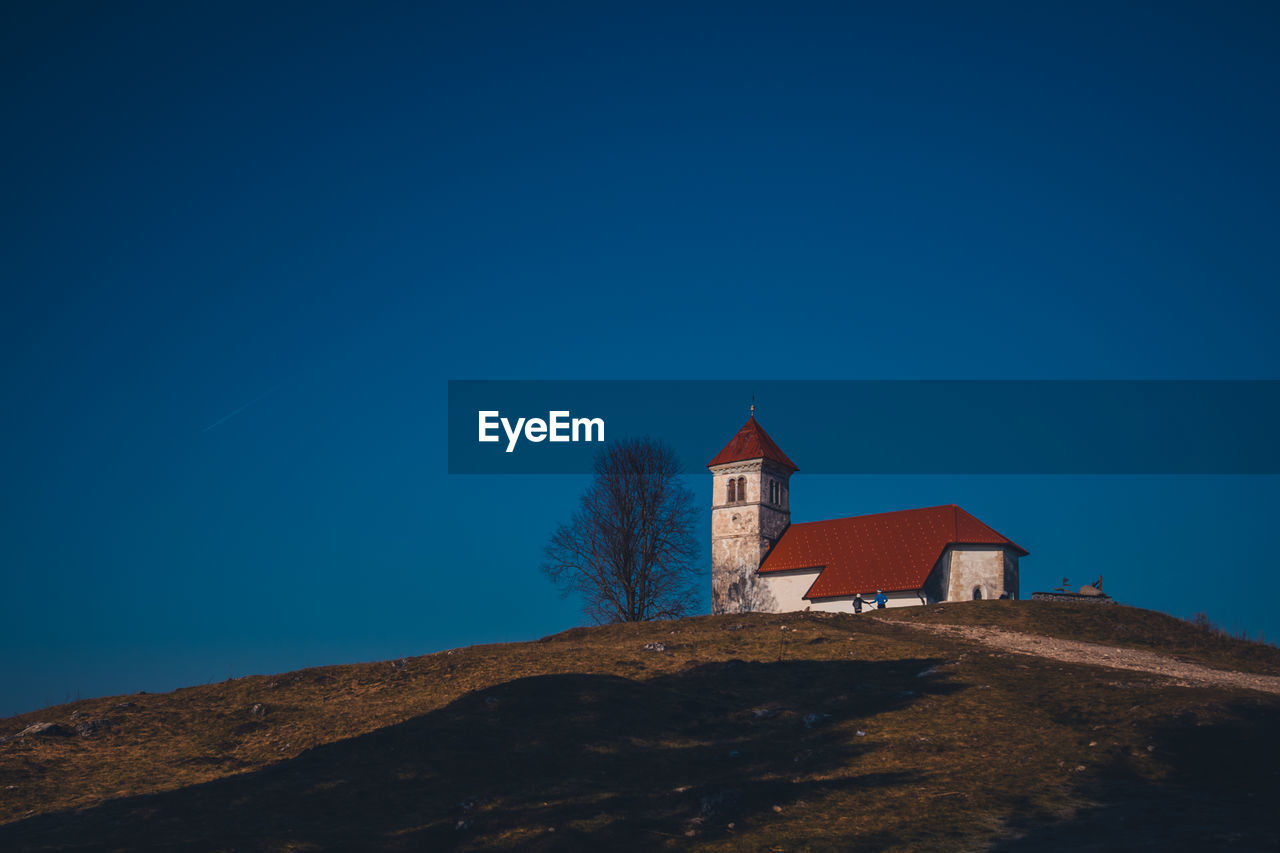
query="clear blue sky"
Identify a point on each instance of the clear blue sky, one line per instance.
(310, 216)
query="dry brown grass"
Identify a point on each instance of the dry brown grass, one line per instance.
(1110, 624)
(584, 740)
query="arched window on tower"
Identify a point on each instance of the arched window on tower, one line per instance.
(742, 488)
(977, 593)
(733, 491)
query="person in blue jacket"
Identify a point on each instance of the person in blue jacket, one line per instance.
(881, 601)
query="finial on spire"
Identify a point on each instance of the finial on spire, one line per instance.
(753, 404)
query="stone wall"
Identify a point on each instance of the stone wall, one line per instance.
(1072, 596)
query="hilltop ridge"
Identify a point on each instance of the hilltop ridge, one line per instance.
(757, 731)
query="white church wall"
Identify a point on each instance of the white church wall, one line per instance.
(844, 603)
(788, 589)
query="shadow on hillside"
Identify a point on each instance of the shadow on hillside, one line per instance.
(1219, 794)
(549, 762)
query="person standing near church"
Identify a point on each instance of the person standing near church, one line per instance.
(881, 601)
(857, 603)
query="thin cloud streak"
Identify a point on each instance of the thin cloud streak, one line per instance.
(226, 418)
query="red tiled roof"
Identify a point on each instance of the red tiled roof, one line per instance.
(751, 442)
(889, 551)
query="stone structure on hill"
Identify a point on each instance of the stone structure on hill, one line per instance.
(1072, 596)
(1089, 592)
(760, 561)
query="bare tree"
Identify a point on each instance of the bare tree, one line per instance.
(629, 550)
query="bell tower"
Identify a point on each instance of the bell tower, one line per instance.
(750, 505)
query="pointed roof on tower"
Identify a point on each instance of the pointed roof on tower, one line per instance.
(751, 442)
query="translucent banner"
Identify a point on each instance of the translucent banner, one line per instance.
(877, 427)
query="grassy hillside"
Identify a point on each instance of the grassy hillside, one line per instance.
(1127, 627)
(757, 732)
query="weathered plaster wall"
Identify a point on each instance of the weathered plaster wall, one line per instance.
(975, 566)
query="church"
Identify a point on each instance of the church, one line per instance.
(760, 561)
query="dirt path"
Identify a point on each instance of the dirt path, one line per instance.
(1074, 651)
